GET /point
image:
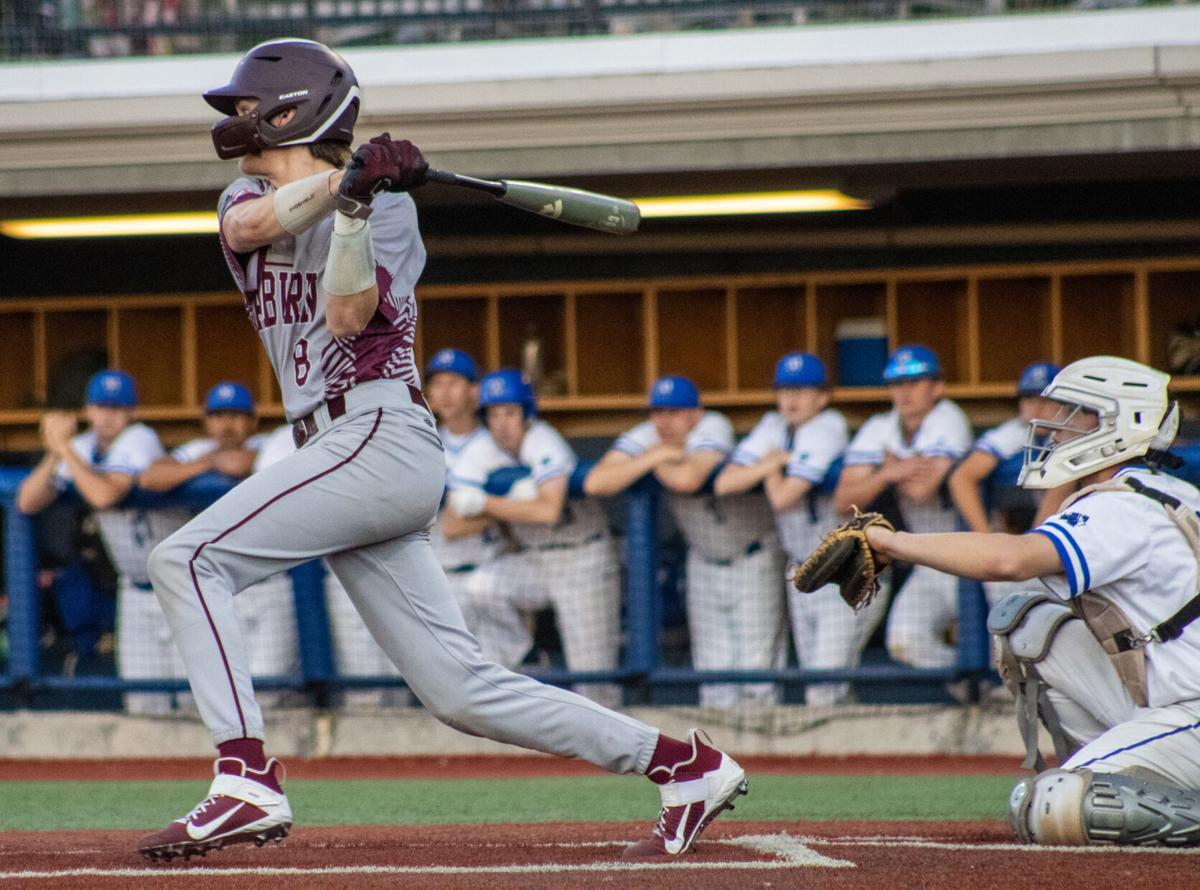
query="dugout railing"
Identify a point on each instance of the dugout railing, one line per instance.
(642, 670)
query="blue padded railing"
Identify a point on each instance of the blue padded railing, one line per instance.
(642, 664)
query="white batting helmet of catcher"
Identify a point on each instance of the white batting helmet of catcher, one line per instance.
(1113, 409)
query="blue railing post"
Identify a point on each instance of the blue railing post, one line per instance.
(312, 623)
(20, 583)
(642, 606)
(974, 646)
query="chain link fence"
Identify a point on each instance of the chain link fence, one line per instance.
(52, 29)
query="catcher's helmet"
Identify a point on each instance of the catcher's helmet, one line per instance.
(1113, 409)
(282, 74)
(507, 386)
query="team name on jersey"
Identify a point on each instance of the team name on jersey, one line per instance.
(282, 297)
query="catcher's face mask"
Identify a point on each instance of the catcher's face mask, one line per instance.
(1112, 410)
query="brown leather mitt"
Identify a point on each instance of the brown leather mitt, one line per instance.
(846, 559)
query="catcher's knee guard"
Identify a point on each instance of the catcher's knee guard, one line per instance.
(1024, 625)
(1078, 807)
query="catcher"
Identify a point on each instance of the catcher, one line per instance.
(1103, 648)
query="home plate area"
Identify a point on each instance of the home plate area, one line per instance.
(859, 855)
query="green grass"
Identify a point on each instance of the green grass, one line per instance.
(42, 806)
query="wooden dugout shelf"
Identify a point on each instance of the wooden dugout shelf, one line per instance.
(604, 342)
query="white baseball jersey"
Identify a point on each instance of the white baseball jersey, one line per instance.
(945, 432)
(475, 549)
(276, 445)
(1124, 547)
(1004, 441)
(814, 446)
(716, 529)
(129, 533)
(285, 299)
(548, 456)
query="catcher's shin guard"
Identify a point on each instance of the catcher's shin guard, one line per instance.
(1078, 807)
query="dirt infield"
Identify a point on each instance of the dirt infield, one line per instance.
(843, 855)
(488, 767)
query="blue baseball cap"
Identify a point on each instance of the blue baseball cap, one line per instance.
(799, 369)
(508, 386)
(673, 391)
(1036, 377)
(911, 362)
(229, 396)
(114, 389)
(452, 361)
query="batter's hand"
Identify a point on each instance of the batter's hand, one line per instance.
(381, 165)
(468, 502)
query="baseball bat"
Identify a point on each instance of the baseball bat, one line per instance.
(604, 213)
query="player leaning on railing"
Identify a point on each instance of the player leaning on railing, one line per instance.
(327, 264)
(1103, 647)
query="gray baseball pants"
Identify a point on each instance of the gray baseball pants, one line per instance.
(362, 493)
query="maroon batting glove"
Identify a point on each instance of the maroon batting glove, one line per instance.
(405, 166)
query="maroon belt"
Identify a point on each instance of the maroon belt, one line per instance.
(306, 427)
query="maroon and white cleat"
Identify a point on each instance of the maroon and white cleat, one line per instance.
(692, 798)
(239, 809)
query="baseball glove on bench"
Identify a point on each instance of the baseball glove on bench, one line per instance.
(846, 559)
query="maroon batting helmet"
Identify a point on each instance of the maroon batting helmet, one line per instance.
(282, 74)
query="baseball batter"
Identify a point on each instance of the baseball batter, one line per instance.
(1103, 645)
(735, 566)
(790, 453)
(912, 448)
(267, 610)
(326, 256)
(104, 463)
(567, 560)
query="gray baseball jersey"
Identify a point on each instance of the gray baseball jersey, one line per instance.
(285, 300)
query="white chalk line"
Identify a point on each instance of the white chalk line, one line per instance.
(787, 852)
(925, 843)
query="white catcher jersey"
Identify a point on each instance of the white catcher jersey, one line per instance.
(1124, 547)
(716, 529)
(129, 533)
(285, 300)
(1005, 441)
(814, 446)
(945, 432)
(548, 456)
(473, 550)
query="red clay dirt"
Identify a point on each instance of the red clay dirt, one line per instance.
(843, 855)
(487, 767)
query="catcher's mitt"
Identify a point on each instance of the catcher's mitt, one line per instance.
(846, 559)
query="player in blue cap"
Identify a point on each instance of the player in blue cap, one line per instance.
(462, 544)
(734, 562)
(907, 452)
(791, 452)
(568, 560)
(104, 463)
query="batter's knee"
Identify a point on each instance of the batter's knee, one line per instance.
(1060, 807)
(168, 562)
